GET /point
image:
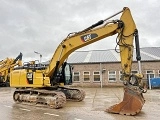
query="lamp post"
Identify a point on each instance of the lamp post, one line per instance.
(40, 55)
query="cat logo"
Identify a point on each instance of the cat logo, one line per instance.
(88, 37)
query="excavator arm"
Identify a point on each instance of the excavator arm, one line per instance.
(125, 27)
(9, 63)
(44, 86)
(126, 30)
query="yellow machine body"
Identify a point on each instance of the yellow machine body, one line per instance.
(25, 79)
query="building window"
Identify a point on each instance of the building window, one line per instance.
(158, 73)
(112, 76)
(120, 76)
(150, 74)
(96, 75)
(134, 71)
(86, 76)
(76, 76)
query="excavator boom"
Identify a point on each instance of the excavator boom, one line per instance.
(45, 82)
(6, 66)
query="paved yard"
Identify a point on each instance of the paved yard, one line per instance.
(92, 108)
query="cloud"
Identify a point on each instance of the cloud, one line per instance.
(40, 25)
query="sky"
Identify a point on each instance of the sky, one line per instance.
(40, 25)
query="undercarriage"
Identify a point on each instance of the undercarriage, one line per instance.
(54, 98)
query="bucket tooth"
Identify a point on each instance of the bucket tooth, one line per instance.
(132, 103)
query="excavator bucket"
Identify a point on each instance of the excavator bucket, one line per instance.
(132, 103)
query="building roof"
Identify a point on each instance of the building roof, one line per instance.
(110, 55)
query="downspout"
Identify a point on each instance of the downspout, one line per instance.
(101, 75)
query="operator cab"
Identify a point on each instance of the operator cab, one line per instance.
(63, 74)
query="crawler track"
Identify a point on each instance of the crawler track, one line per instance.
(54, 99)
(73, 94)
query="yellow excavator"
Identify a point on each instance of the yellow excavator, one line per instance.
(6, 66)
(48, 85)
